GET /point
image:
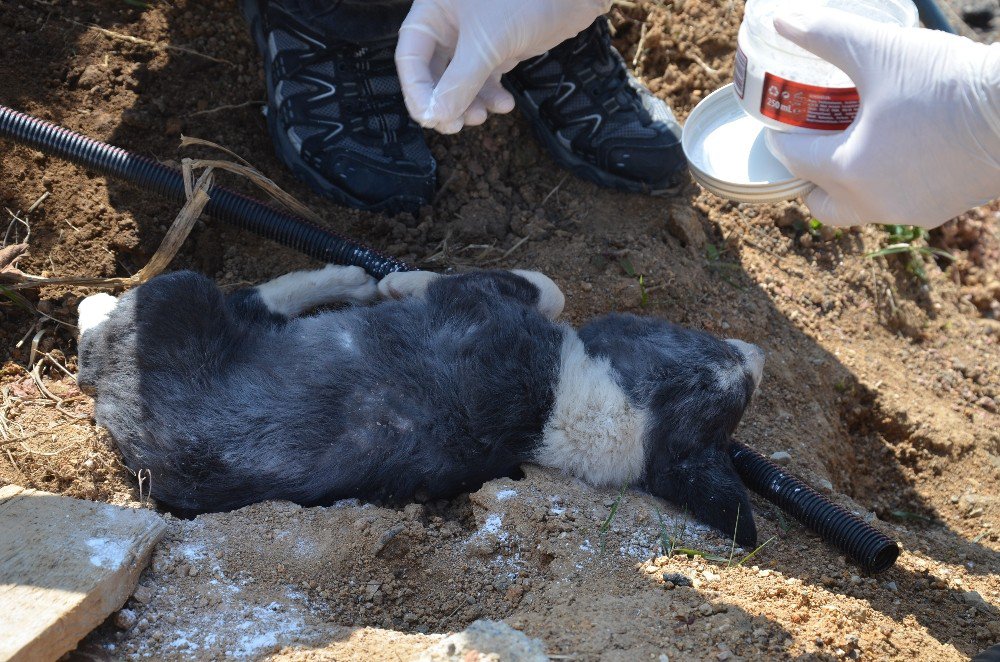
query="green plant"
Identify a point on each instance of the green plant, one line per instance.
(627, 267)
(754, 552)
(606, 526)
(713, 257)
(669, 543)
(910, 242)
(814, 227)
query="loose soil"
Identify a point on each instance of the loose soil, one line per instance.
(884, 388)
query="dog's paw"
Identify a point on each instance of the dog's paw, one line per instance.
(95, 309)
(551, 300)
(349, 283)
(403, 284)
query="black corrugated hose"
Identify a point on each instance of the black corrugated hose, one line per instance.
(226, 205)
(872, 550)
(864, 544)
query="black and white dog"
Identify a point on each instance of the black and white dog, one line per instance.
(450, 382)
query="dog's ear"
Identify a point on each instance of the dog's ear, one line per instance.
(707, 486)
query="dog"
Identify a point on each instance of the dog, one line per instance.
(448, 382)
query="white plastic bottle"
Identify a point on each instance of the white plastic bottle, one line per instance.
(790, 89)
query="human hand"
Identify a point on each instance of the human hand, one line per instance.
(925, 145)
(451, 53)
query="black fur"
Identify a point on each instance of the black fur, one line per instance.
(226, 403)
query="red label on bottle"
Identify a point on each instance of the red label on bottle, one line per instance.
(809, 106)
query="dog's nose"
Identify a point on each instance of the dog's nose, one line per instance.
(753, 358)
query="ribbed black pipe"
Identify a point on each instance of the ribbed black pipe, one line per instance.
(864, 544)
(226, 205)
(932, 16)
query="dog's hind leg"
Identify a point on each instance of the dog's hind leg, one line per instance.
(297, 292)
(550, 299)
(406, 284)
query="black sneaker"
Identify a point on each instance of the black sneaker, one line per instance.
(336, 114)
(596, 119)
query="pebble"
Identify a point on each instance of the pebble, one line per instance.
(891, 586)
(387, 537)
(125, 619)
(781, 457)
(142, 595)
(677, 579)
(706, 609)
(974, 599)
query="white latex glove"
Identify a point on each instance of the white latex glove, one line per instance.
(925, 146)
(451, 53)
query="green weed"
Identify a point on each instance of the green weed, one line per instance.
(606, 526)
(910, 243)
(627, 267)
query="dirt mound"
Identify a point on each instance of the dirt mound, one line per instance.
(882, 381)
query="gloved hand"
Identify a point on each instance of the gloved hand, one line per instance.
(451, 53)
(925, 146)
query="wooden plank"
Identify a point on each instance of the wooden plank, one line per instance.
(65, 565)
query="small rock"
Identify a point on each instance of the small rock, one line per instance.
(125, 619)
(677, 579)
(825, 486)
(142, 595)
(781, 457)
(586, 287)
(90, 78)
(706, 609)
(486, 640)
(891, 586)
(387, 537)
(685, 225)
(974, 599)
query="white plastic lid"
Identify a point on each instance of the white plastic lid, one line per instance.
(727, 155)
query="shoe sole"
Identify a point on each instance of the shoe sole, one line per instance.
(286, 152)
(578, 166)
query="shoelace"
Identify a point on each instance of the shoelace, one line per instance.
(367, 63)
(594, 44)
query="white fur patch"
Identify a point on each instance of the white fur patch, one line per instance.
(95, 309)
(753, 359)
(403, 284)
(551, 300)
(299, 291)
(593, 432)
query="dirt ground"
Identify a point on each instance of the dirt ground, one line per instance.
(882, 386)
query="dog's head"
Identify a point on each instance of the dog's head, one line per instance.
(694, 388)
